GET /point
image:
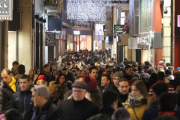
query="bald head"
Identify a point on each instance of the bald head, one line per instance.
(6, 75)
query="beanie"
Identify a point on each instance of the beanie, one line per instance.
(168, 72)
(118, 74)
(42, 77)
(91, 83)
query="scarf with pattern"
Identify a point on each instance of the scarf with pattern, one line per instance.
(136, 101)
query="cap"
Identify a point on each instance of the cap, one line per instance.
(42, 77)
(79, 84)
(118, 74)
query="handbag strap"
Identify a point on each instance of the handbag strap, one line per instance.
(135, 113)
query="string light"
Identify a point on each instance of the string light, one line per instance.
(87, 10)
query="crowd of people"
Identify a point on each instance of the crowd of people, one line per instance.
(71, 89)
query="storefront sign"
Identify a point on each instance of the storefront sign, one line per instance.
(178, 21)
(118, 29)
(6, 10)
(76, 32)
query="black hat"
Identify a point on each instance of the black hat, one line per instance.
(79, 84)
(168, 72)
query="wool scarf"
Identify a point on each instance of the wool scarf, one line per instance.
(12, 84)
(136, 101)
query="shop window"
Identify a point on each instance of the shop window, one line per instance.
(123, 18)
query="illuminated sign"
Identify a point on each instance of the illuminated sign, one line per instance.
(118, 29)
(6, 10)
(178, 21)
(76, 32)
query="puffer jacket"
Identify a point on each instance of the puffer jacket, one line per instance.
(21, 101)
(6, 96)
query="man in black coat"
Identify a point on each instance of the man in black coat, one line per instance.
(21, 100)
(44, 108)
(120, 85)
(68, 75)
(8, 86)
(78, 108)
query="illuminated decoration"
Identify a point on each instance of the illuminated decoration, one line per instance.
(86, 10)
(6, 10)
(76, 32)
(100, 34)
(178, 21)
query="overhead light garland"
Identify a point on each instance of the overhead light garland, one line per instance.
(87, 10)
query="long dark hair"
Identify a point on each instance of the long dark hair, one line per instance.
(95, 98)
(57, 79)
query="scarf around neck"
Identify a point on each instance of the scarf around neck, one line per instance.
(12, 84)
(136, 101)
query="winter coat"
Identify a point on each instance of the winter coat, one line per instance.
(48, 112)
(145, 76)
(161, 65)
(136, 111)
(77, 110)
(170, 87)
(6, 94)
(21, 101)
(169, 78)
(104, 114)
(152, 112)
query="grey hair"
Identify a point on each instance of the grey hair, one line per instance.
(121, 114)
(42, 90)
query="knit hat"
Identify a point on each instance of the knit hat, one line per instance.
(42, 77)
(168, 72)
(118, 74)
(91, 83)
